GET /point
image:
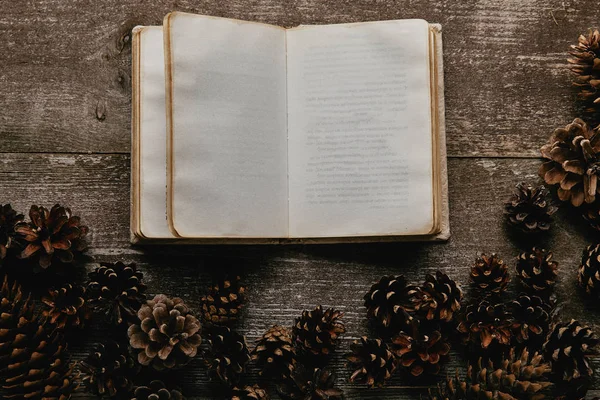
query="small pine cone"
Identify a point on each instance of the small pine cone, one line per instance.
(8, 219)
(310, 384)
(275, 353)
(572, 153)
(490, 274)
(537, 271)
(420, 351)
(109, 370)
(168, 335)
(529, 209)
(585, 64)
(116, 289)
(228, 355)
(67, 307)
(487, 329)
(589, 271)
(439, 298)
(531, 320)
(373, 360)
(254, 392)
(52, 235)
(222, 304)
(156, 390)
(389, 301)
(316, 334)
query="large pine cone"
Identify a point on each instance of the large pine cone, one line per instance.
(109, 370)
(310, 384)
(168, 335)
(489, 274)
(585, 64)
(223, 302)
(529, 209)
(275, 353)
(67, 307)
(519, 378)
(52, 235)
(253, 392)
(228, 355)
(156, 390)
(531, 320)
(439, 298)
(8, 219)
(420, 351)
(316, 334)
(573, 153)
(589, 271)
(373, 361)
(388, 302)
(117, 291)
(537, 271)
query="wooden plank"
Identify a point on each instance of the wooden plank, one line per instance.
(284, 280)
(66, 75)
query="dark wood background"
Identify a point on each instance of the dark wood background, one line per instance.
(65, 107)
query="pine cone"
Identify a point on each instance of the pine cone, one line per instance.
(420, 351)
(228, 355)
(156, 390)
(168, 335)
(310, 384)
(537, 271)
(573, 165)
(117, 290)
(109, 370)
(223, 302)
(388, 302)
(316, 334)
(52, 235)
(486, 328)
(531, 322)
(275, 353)
(512, 379)
(67, 307)
(439, 298)
(8, 219)
(589, 271)
(373, 360)
(254, 392)
(38, 367)
(490, 274)
(529, 209)
(585, 64)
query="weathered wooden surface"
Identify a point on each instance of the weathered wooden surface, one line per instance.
(64, 137)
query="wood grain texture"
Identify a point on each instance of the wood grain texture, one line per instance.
(66, 75)
(284, 280)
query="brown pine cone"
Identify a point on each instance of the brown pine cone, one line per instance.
(228, 355)
(52, 235)
(373, 361)
(439, 298)
(572, 153)
(310, 384)
(8, 219)
(116, 289)
(275, 353)
(529, 209)
(420, 351)
(224, 301)
(531, 320)
(537, 271)
(490, 274)
(585, 64)
(156, 390)
(67, 307)
(316, 334)
(168, 335)
(389, 301)
(254, 392)
(589, 272)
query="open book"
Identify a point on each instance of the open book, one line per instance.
(251, 133)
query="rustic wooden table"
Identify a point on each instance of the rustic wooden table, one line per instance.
(65, 106)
